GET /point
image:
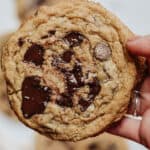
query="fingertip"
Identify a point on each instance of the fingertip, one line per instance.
(139, 46)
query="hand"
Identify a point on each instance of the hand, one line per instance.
(138, 130)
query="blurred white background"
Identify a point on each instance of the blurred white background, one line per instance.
(135, 13)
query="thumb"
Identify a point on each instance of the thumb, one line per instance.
(139, 46)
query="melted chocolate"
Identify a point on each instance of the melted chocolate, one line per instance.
(35, 54)
(65, 100)
(74, 39)
(35, 96)
(71, 82)
(94, 89)
(20, 42)
(84, 104)
(67, 55)
(51, 32)
(77, 72)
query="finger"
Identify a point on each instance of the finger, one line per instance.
(144, 129)
(128, 128)
(140, 46)
(141, 101)
(145, 97)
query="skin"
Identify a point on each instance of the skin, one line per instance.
(138, 130)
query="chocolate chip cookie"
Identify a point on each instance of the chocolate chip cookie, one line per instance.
(103, 142)
(69, 75)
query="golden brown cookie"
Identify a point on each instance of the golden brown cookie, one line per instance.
(69, 75)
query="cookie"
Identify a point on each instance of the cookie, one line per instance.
(4, 105)
(102, 142)
(25, 7)
(68, 73)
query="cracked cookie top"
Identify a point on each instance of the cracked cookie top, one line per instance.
(68, 73)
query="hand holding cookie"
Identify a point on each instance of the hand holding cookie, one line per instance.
(138, 130)
(69, 75)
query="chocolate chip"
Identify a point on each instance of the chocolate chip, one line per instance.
(102, 51)
(35, 97)
(20, 42)
(93, 146)
(74, 78)
(95, 88)
(94, 91)
(35, 54)
(50, 33)
(44, 37)
(74, 39)
(77, 71)
(67, 55)
(84, 104)
(65, 100)
(71, 81)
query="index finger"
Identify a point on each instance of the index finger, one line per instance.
(140, 46)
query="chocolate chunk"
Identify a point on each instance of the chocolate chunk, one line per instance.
(51, 32)
(74, 78)
(95, 88)
(65, 100)
(94, 91)
(44, 37)
(35, 97)
(35, 54)
(93, 146)
(74, 39)
(20, 42)
(77, 71)
(84, 104)
(102, 51)
(67, 56)
(71, 81)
